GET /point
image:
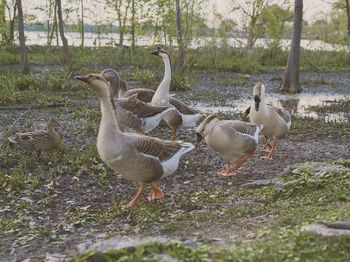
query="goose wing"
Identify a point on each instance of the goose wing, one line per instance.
(128, 121)
(181, 107)
(161, 149)
(284, 114)
(143, 94)
(139, 107)
(239, 126)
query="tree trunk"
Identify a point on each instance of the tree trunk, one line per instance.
(290, 82)
(347, 7)
(133, 24)
(82, 23)
(63, 38)
(2, 21)
(181, 58)
(11, 36)
(22, 40)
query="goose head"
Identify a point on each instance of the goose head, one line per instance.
(115, 82)
(258, 93)
(98, 83)
(160, 52)
(52, 124)
(205, 128)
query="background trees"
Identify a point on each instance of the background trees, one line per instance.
(291, 82)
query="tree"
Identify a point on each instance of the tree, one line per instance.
(122, 9)
(22, 40)
(290, 81)
(180, 43)
(2, 21)
(252, 11)
(82, 23)
(272, 21)
(67, 60)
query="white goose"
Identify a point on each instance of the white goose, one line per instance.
(162, 98)
(138, 158)
(235, 140)
(276, 121)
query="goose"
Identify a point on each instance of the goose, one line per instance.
(276, 121)
(235, 140)
(162, 98)
(138, 158)
(40, 140)
(133, 115)
(183, 116)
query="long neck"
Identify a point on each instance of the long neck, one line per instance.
(108, 120)
(164, 86)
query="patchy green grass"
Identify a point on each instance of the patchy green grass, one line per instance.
(301, 127)
(277, 235)
(342, 105)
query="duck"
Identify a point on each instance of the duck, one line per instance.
(276, 121)
(138, 158)
(40, 140)
(235, 140)
(133, 114)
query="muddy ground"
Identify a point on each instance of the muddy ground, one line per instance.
(67, 199)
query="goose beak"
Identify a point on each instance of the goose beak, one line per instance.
(257, 102)
(82, 78)
(199, 139)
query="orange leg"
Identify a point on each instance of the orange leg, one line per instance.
(136, 199)
(156, 192)
(273, 148)
(267, 147)
(240, 162)
(173, 133)
(228, 172)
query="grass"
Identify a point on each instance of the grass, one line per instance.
(279, 238)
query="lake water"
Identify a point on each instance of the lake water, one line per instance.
(91, 40)
(299, 103)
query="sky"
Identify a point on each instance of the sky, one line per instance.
(313, 9)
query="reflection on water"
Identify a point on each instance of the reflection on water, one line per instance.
(299, 103)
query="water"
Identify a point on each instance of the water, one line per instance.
(299, 103)
(91, 40)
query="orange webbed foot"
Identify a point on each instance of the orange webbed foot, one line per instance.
(156, 192)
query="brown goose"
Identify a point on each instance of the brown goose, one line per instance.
(133, 114)
(38, 141)
(235, 140)
(276, 121)
(183, 116)
(138, 158)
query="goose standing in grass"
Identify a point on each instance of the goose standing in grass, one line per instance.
(38, 141)
(235, 140)
(177, 118)
(276, 121)
(184, 116)
(138, 158)
(133, 115)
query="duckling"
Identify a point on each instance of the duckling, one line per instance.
(235, 140)
(38, 141)
(276, 121)
(138, 158)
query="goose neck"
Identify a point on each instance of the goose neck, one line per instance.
(164, 86)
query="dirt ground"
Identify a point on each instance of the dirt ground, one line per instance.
(73, 203)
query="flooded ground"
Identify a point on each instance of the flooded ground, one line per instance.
(53, 204)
